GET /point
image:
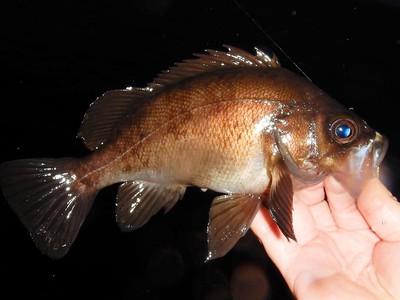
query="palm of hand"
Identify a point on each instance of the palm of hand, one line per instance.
(337, 254)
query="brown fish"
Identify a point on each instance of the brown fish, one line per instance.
(232, 122)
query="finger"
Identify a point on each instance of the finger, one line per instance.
(314, 198)
(303, 220)
(275, 243)
(381, 210)
(343, 206)
(278, 248)
(310, 195)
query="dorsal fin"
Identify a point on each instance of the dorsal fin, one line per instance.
(213, 60)
(108, 110)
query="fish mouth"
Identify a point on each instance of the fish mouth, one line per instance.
(365, 160)
(379, 148)
(363, 164)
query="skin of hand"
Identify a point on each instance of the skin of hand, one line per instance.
(346, 248)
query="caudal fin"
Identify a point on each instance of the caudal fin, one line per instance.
(48, 199)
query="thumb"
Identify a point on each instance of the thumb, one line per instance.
(381, 210)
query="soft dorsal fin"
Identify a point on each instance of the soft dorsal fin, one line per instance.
(108, 110)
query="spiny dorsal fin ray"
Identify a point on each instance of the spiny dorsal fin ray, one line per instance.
(213, 60)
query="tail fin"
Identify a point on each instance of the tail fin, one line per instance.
(48, 199)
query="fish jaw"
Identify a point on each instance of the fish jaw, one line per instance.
(363, 164)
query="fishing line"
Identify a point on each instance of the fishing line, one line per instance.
(269, 37)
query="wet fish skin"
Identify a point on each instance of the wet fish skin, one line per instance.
(232, 122)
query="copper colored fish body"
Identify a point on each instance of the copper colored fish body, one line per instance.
(232, 122)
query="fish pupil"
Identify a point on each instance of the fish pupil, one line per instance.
(343, 131)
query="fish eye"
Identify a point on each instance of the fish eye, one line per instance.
(344, 130)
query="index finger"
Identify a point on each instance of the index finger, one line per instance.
(343, 206)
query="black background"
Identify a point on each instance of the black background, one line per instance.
(56, 57)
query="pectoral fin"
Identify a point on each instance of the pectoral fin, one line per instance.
(230, 218)
(138, 201)
(280, 201)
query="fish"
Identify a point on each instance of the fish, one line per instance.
(231, 121)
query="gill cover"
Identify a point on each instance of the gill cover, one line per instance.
(309, 176)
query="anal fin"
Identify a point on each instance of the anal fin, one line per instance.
(230, 218)
(138, 201)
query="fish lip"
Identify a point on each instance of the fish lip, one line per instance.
(379, 148)
(366, 159)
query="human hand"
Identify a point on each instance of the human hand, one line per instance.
(346, 248)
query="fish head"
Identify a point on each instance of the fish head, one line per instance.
(329, 139)
(356, 151)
